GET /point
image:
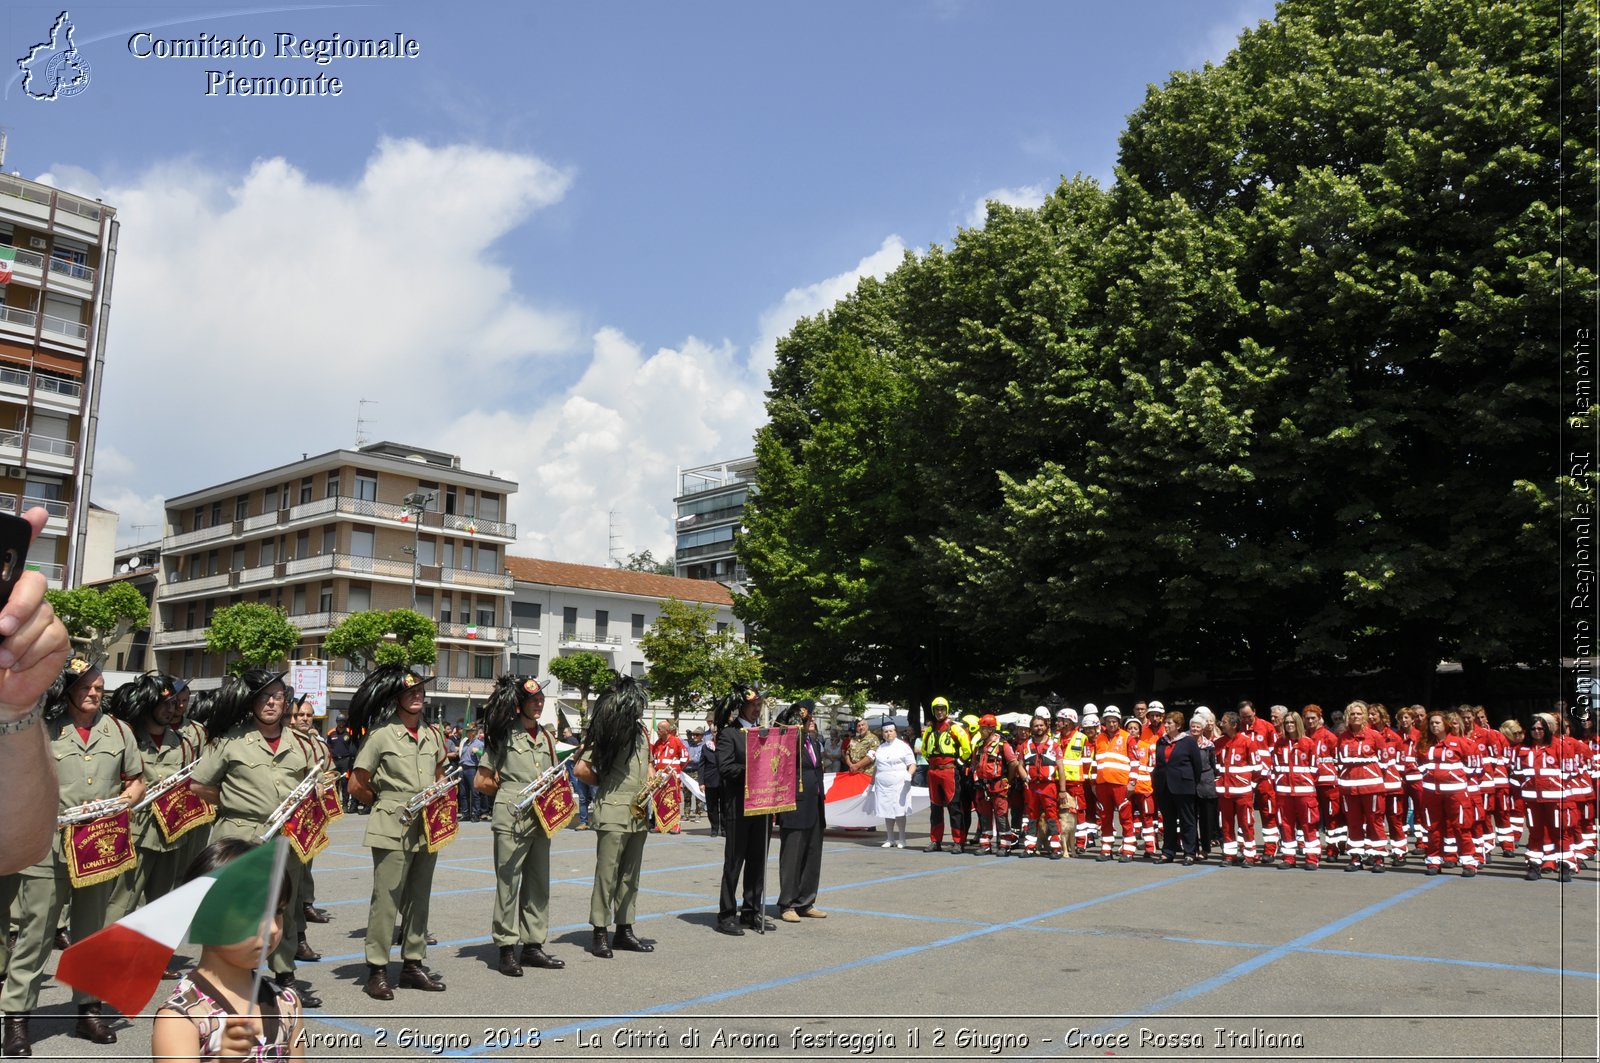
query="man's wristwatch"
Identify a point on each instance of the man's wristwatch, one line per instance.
(23, 722)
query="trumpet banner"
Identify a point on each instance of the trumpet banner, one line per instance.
(771, 770)
(307, 828)
(440, 821)
(179, 811)
(99, 850)
(666, 804)
(331, 804)
(556, 806)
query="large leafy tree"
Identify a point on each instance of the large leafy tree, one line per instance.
(97, 617)
(689, 661)
(255, 635)
(586, 672)
(374, 637)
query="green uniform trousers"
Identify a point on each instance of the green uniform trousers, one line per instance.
(282, 959)
(402, 883)
(37, 904)
(522, 888)
(619, 855)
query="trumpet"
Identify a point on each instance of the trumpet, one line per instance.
(286, 809)
(167, 785)
(91, 810)
(641, 800)
(531, 792)
(446, 785)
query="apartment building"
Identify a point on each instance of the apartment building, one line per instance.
(710, 506)
(57, 253)
(559, 608)
(384, 526)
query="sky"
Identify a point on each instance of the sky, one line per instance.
(562, 238)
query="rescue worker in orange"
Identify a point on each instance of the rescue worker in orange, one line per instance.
(1142, 801)
(1112, 750)
(992, 760)
(1039, 764)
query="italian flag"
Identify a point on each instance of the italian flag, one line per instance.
(8, 259)
(123, 964)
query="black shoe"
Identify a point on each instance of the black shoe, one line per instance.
(730, 927)
(1168, 858)
(1055, 855)
(1125, 858)
(625, 940)
(378, 984)
(748, 920)
(935, 847)
(1469, 872)
(1377, 867)
(1188, 861)
(1354, 865)
(1103, 858)
(1533, 873)
(17, 1042)
(508, 962)
(1564, 875)
(536, 956)
(415, 976)
(305, 953)
(91, 1027)
(1268, 859)
(1431, 871)
(62, 942)
(601, 946)
(317, 915)
(308, 998)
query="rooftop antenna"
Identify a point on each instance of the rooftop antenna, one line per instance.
(611, 528)
(361, 421)
(139, 529)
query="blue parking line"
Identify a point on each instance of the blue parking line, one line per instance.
(865, 961)
(1492, 965)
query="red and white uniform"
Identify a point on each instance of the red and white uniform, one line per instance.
(992, 758)
(670, 754)
(1544, 791)
(1411, 777)
(1497, 753)
(1041, 771)
(1266, 798)
(1359, 758)
(1238, 766)
(1143, 799)
(1295, 766)
(1575, 767)
(1446, 769)
(1329, 808)
(1394, 797)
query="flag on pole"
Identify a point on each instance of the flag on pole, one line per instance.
(8, 261)
(123, 964)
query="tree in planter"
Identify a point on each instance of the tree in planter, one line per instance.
(688, 659)
(97, 618)
(586, 671)
(260, 635)
(374, 637)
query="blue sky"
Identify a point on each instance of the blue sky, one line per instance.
(562, 240)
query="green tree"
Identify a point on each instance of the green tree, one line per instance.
(645, 561)
(374, 637)
(690, 663)
(96, 618)
(258, 636)
(587, 672)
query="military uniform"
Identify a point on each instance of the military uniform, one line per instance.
(193, 843)
(400, 765)
(620, 852)
(254, 780)
(160, 861)
(87, 771)
(521, 847)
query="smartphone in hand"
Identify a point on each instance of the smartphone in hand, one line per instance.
(15, 535)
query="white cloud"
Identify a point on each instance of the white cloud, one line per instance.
(1025, 196)
(814, 298)
(1214, 43)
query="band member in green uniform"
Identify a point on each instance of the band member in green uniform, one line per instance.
(616, 758)
(249, 770)
(401, 758)
(97, 759)
(517, 752)
(148, 707)
(302, 717)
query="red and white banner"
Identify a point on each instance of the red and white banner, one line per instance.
(849, 797)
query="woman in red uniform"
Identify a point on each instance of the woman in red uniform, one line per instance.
(1295, 763)
(1543, 791)
(1444, 757)
(1360, 761)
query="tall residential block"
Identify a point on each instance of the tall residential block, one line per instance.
(710, 507)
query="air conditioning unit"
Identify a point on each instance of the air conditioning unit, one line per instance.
(38, 243)
(16, 471)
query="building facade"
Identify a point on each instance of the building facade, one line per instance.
(383, 527)
(559, 608)
(57, 256)
(710, 506)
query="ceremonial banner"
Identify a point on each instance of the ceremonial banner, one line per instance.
(849, 801)
(307, 828)
(556, 806)
(330, 803)
(98, 850)
(179, 811)
(771, 770)
(439, 822)
(667, 806)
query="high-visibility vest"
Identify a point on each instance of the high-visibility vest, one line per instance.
(946, 741)
(1072, 752)
(1041, 759)
(1111, 759)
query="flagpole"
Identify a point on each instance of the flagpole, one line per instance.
(280, 861)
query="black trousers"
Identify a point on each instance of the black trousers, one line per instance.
(744, 856)
(1178, 823)
(714, 806)
(1210, 824)
(799, 866)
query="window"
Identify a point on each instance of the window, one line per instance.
(211, 563)
(466, 556)
(325, 600)
(527, 614)
(469, 507)
(199, 518)
(636, 669)
(361, 542)
(360, 598)
(488, 559)
(489, 506)
(569, 620)
(638, 625)
(332, 488)
(190, 616)
(525, 664)
(427, 550)
(425, 603)
(269, 500)
(366, 486)
(483, 666)
(330, 540)
(602, 624)
(194, 567)
(269, 552)
(449, 499)
(241, 507)
(445, 605)
(305, 490)
(216, 513)
(299, 601)
(447, 557)
(238, 559)
(721, 627)
(302, 544)
(461, 663)
(486, 616)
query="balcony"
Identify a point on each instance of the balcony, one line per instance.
(44, 452)
(17, 320)
(589, 638)
(193, 538)
(55, 576)
(46, 391)
(180, 638)
(459, 685)
(61, 330)
(343, 507)
(56, 523)
(720, 548)
(462, 577)
(69, 276)
(473, 633)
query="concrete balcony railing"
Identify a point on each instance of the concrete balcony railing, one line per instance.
(341, 506)
(589, 638)
(473, 632)
(461, 577)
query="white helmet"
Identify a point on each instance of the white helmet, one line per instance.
(1091, 720)
(1156, 706)
(1067, 714)
(1041, 713)
(1089, 709)
(1112, 710)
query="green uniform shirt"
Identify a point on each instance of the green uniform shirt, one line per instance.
(159, 762)
(400, 767)
(254, 779)
(520, 761)
(92, 770)
(613, 808)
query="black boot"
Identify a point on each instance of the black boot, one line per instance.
(536, 956)
(91, 1027)
(508, 962)
(308, 998)
(16, 1039)
(602, 945)
(626, 940)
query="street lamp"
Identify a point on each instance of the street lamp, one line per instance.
(416, 503)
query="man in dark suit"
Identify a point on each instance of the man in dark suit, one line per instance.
(800, 831)
(745, 838)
